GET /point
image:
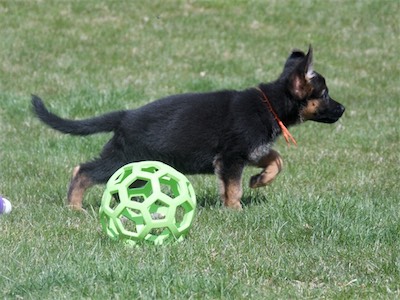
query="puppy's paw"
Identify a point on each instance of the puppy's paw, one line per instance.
(234, 205)
(76, 208)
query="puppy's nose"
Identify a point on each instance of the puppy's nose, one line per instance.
(340, 109)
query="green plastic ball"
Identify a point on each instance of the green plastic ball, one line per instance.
(147, 201)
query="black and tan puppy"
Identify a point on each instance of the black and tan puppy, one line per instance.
(216, 132)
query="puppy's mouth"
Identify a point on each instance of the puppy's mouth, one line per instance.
(332, 117)
(327, 120)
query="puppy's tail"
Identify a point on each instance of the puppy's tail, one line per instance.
(104, 123)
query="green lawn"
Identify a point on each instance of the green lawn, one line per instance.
(328, 227)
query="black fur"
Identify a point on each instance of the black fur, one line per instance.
(193, 132)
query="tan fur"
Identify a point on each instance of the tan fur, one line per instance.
(230, 189)
(79, 184)
(233, 194)
(310, 110)
(75, 171)
(272, 164)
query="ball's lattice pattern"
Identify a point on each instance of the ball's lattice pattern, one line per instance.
(147, 201)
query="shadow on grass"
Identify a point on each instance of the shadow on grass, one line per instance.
(206, 199)
(214, 201)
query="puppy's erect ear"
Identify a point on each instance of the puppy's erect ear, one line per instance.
(308, 66)
(301, 75)
(293, 59)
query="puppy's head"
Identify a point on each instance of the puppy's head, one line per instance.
(308, 89)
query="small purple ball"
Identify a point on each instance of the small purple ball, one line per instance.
(5, 206)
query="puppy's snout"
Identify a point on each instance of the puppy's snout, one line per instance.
(340, 109)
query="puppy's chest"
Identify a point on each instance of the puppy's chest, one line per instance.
(259, 152)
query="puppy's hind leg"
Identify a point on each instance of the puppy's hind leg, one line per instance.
(88, 174)
(271, 165)
(77, 187)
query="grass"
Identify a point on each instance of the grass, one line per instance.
(328, 227)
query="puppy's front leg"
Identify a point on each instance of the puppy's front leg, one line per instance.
(230, 183)
(271, 164)
(233, 193)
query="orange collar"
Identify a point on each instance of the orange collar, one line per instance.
(286, 134)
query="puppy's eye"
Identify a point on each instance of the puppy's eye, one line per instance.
(324, 94)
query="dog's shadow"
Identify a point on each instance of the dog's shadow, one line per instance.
(214, 201)
(207, 199)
